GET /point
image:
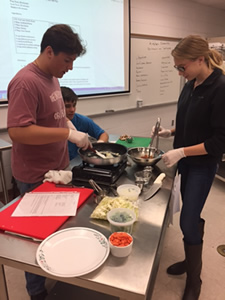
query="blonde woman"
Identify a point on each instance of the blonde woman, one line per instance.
(199, 142)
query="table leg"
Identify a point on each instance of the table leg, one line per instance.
(3, 285)
(3, 181)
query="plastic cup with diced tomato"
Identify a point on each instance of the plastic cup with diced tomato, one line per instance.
(121, 244)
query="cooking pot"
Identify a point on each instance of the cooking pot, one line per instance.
(118, 151)
(140, 155)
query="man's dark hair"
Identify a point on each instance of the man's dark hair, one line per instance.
(62, 39)
(69, 95)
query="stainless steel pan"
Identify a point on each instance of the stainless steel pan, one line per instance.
(119, 153)
(141, 157)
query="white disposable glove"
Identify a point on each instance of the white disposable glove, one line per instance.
(165, 133)
(62, 177)
(100, 141)
(173, 156)
(70, 125)
(79, 138)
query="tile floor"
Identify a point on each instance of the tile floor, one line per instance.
(169, 287)
(213, 272)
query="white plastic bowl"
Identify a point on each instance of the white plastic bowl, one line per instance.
(129, 191)
(121, 251)
(121, 219)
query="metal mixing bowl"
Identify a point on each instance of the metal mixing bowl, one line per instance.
(140, 155)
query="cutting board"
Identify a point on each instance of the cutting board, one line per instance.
(38, 227)
(136, 142)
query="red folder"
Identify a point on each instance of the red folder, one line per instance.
(38, 227)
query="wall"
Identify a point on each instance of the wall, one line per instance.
(172, 18)
(176, 18)
(220, 39)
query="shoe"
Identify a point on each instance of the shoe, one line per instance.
(40, 296)
(177, 268)
(193, 258)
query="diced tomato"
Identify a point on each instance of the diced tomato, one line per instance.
(120, 239)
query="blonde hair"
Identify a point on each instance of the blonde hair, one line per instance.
(193, 46)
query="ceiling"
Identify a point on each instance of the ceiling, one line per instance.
(220, 4)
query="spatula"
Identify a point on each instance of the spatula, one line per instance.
(97, 152)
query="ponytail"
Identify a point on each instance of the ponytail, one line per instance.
(215, 60)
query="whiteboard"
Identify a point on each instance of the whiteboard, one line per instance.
(154, 80)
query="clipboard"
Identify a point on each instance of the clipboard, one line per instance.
(39, 227)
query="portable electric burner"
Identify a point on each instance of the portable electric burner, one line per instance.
(105, 175)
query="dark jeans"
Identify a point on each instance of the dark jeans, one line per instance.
(196, 182)
(26, 187)
(35, 283)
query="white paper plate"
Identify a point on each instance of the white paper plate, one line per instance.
(73, 252)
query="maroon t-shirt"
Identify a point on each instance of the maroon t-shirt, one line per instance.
(35, 98)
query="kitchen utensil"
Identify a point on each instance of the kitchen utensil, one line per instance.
(113, 190)
(119, 153)
(152, 150)
(97, 153)
(69, 185)
(141, 157)
(155, 187)
(100, 192)
(38, 227)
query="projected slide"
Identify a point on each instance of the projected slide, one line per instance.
(102, 25)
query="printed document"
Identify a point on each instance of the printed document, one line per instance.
(47, 204)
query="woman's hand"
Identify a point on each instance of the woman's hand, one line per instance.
(165, 133)
(173, 156)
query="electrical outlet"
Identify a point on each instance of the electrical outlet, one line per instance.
(139, 103)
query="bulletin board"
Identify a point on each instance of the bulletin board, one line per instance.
(153, 76)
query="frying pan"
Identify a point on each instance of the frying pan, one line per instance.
(91, 158)
(140, 155)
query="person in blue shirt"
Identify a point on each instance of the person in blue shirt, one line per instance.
(81, 123)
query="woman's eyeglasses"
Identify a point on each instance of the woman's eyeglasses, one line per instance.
(180, 69)
(183, 68)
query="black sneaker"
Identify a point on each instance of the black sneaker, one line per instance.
(40, 296)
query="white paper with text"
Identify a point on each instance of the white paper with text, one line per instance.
(47, 204)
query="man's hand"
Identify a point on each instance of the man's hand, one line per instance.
(79, 138)
(70, 125)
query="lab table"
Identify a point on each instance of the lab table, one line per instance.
(130, 278)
